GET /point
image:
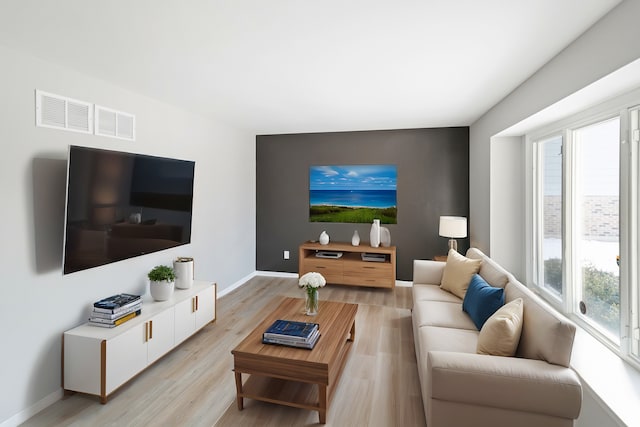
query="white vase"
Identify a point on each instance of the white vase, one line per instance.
(324, 238)
(385, 237)
(355, 240)
(183, 267)
(161, 291)
(374, 234)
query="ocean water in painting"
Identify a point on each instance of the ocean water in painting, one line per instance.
(353, 198)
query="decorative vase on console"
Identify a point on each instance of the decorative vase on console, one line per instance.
(311, 282)
(374, 234)
(355, 240)
(385, 237)
(324, 238)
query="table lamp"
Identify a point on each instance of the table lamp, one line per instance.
(453, 227)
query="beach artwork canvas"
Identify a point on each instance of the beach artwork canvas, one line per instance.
(353, 193)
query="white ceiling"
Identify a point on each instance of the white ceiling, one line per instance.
(284, 66)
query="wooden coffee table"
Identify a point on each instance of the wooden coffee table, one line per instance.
(293, 376)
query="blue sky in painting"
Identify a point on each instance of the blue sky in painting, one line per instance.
(353, 177)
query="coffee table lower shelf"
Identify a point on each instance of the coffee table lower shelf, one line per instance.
(288, 392)
(283, 392)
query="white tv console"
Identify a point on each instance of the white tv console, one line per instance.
(99, 360)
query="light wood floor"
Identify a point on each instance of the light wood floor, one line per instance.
(194, 385)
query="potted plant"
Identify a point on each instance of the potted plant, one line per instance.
(161, 282)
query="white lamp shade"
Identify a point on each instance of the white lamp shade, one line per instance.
(454, 227)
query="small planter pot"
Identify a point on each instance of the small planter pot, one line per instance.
(161, 291)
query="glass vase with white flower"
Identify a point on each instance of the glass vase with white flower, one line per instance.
(311, 282)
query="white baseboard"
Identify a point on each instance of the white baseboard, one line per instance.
(24, 415)
(236, 285)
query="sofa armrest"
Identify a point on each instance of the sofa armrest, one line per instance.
(426, 272)
(504, 382)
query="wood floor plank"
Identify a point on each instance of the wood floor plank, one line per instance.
(194, 384)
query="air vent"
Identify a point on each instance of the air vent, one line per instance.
(115, 124)
(60, 112)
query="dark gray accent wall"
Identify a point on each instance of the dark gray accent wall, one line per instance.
(433, 180)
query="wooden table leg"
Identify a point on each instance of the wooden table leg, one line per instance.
(239, 399)
(352, 333)
(322, 397)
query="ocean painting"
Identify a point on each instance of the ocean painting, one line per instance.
(353, 193)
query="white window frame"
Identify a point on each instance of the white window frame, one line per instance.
(629, 217)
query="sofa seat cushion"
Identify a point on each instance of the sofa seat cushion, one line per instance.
(444, 314)
(438, 338)
(433, 293)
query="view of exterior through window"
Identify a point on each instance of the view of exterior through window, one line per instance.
(551, 226)
(597, 195)
(590, 233)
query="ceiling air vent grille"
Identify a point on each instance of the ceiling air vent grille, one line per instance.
(115, 124)
(60, 112)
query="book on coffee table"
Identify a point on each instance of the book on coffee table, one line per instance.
(291, 330)
(308, 344)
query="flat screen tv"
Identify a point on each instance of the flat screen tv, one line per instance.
(121, 205)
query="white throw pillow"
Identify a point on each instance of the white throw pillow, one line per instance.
(458, 273)
(500, 334)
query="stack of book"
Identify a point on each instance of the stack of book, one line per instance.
(115, 310)
(292, 333)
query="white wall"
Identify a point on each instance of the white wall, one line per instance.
(608, 45)
(38, 303)
(507, 202)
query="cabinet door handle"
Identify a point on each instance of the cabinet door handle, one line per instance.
(150, 329)
(146, 331)
(197, 302)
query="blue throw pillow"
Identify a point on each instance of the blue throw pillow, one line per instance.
(482, 300)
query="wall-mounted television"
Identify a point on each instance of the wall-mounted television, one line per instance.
(122, 205)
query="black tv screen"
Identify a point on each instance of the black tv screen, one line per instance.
(121, 205)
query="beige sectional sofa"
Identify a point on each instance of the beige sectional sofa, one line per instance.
(536, 387)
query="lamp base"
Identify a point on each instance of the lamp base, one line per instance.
(453, 244)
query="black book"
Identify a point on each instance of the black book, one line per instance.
(116, 303)
(292, 343)
(291, 330)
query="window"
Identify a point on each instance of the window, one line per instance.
(595, 221)
(549, 216)
(584, 228)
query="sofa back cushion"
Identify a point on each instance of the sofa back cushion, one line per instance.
(546, 335)
(490, 271)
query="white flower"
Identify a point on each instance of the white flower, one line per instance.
(312, 280)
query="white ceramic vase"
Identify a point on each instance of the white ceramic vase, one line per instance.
(324, 238)
(374, 234)
(385, 237)
(355, 240)
(183, 268)
(161, 291)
